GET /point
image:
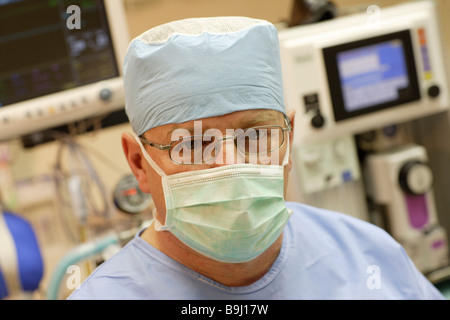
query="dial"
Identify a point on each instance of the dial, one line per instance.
(416, 177)
(128, 197)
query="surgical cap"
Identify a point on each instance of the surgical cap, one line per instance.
(203, 67)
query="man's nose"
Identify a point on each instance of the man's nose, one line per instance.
(227, 153)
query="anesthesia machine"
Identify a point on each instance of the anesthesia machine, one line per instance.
(58, 73)
(61, 63)
(371, 100)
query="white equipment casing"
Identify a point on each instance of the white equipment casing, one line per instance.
(401, 182)
(74, 104)
(327, 174)
(310, 85)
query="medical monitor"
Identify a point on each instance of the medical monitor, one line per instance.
(60, 61)
(348, 76)
(372, 74)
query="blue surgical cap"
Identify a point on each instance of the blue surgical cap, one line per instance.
(198, 68)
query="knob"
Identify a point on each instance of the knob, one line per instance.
(317, 120)
(415, 177)
(434, 91)
(105, 94)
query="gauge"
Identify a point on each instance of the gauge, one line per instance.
(128, 197)
(416, 177)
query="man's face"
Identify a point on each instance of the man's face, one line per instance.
(228, 153)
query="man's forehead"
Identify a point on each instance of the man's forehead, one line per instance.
(235, 120)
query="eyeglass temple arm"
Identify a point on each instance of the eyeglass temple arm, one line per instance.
(155, 145)
(288, 123)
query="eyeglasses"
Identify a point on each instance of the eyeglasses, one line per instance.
(258, 142)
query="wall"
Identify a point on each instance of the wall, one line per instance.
(144, 14)
(149, 13)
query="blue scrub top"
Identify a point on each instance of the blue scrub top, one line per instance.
(325, 255)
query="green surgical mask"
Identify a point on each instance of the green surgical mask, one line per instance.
(230, 213)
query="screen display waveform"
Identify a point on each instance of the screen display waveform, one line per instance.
(40, 54)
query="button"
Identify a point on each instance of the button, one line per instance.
(346, 176)
(422, 38)
(105, 94)
(310, 99)
(317, 120)
(434, 91)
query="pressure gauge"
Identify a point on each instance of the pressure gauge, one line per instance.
(128, 197)
(416, 177)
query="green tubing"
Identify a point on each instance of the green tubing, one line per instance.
(77, 254)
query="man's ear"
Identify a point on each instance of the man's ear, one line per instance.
(135, 160)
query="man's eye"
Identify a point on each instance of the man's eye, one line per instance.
(189, 145)
(192, 144)
(262, 133)
(255, 134)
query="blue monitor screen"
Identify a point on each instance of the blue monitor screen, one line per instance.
(372, 75)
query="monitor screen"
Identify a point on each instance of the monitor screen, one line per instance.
(40, 54)
(372, 74)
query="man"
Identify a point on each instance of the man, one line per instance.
(212, 146)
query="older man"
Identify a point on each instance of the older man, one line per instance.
(212, 144)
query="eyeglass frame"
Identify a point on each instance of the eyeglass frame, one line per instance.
(168, 146)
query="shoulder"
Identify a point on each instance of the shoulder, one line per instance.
(359, 248)
(340, 232)
(115, 278)
(335, 224)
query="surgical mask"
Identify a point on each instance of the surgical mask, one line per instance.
(230, 213)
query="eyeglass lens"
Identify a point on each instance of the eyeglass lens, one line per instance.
(252, 141)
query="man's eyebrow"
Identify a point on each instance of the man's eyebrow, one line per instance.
(170, 131)
(260, 117)
(245, 123)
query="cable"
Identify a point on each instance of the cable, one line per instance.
(75, 186)
(76, 255)
(86, 251)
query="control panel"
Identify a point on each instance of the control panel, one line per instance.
(327, 164)
(63, 107)
(345, 77)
